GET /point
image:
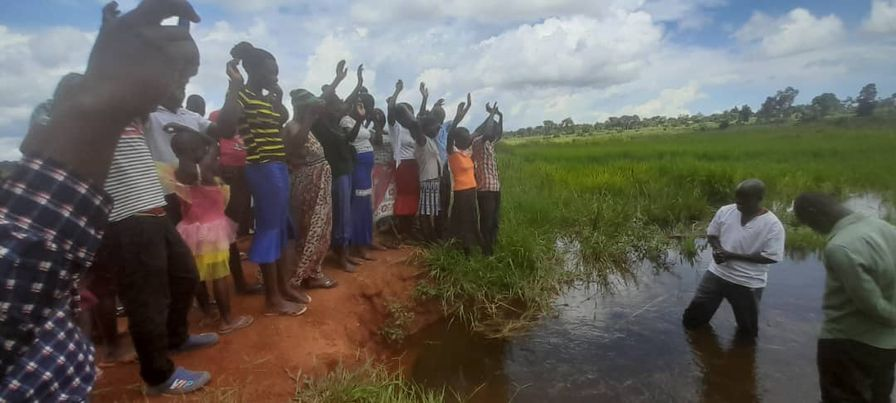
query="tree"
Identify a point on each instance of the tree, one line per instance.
(779, 106)
(825, 105)
(746, 113)
(567, 122)
(549, 125)
(867, 100)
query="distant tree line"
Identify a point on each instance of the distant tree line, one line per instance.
(776, 108)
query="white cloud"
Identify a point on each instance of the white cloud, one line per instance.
(9, 148)
(882, 18)
(32, 64)
(795, 32)
(567, 52)
(670, 102)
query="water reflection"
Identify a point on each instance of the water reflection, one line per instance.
(623, 342)
(728, 374)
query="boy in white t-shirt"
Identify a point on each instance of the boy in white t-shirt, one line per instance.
(746, 238)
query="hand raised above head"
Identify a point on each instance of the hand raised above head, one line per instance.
(341, 70)
(135, 60)
(399, 86)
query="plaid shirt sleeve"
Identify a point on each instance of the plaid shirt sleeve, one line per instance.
(50, 226)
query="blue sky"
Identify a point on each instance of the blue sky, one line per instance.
(539, 59)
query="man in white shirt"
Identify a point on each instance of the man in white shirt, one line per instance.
(745, 238)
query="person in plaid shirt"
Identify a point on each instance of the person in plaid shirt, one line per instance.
(486, 167)
(53, 209)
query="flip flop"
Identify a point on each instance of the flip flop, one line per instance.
(320, 283)
(287, 312)
(240, 323)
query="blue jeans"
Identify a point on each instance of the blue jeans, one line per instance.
(712, 290)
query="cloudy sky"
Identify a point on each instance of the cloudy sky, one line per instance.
(540, 59)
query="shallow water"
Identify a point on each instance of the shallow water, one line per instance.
(627, 345)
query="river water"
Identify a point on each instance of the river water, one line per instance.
(626, 344)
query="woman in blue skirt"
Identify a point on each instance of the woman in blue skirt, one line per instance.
(266, 173)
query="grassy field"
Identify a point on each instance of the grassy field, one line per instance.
(619, 200)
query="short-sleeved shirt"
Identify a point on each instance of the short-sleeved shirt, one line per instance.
(462, 171)
(133, 182)
(362, 142)
(428, 162)
(763, 235)
(260, 128)
(403, 143)
(486, 165)
(159, 140)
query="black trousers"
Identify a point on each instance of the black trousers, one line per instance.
(464, 220)
(489, 219)
(157, 280)
(712, 290)
(850, 371)
(444, 203)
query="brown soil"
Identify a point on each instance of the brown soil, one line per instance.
(262, 362)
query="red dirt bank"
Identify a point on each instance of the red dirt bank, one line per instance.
(259, 364)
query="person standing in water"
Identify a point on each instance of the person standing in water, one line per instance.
(264, 116)
(857, 345)
(746, 239)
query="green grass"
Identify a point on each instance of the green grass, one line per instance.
(629, 198)
(368, 384)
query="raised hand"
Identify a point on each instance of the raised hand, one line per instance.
(469, 102)
(360, 75)
(166, 54)
(341, 70)
(423, 90)
(488, 108)
(399, 86)
(277, 93)
(233, 72)
(439, 104)
(110, 12)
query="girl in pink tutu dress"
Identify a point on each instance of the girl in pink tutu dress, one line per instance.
(204, 227)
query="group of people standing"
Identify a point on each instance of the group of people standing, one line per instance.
(183, 188)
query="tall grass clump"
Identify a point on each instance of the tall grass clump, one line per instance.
(624, 200)
(368, 384)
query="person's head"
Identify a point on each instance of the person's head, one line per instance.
(305, 103)
(438, 113)
(175, 98)
(462, 139)
(67, 85)
(259, 64)
(368, 101)
(196, 104)
(430, 125)
(404, 114)
(191, 148)
(819, 211)
(379, 119)
(749, 195)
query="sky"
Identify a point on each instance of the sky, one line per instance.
(539, 59)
